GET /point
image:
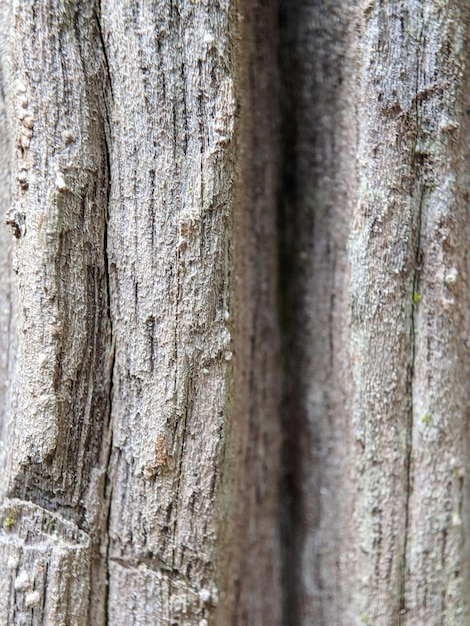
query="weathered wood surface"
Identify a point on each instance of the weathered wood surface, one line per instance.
(142, 468)
(58, 405)
(410, 313)
(378, 199)
(139, 369)
(182, 402)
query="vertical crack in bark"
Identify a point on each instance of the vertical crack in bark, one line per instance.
(108, 468)
(411, 418)
(111, 345)
(414, 303)
(176, 353)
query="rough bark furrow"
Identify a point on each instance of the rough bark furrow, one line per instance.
(435, 588)
(408, 315)
(383, 253)
(58, 408)
(179, 335)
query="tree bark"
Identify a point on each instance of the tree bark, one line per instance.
(171, 451)
(190, 231)
(376, 222)
(141, 477)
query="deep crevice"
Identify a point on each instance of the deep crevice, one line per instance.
(411, 417)
(108, 490)
(415, 302)
(289, 298)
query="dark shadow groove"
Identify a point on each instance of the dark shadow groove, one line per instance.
(289, 303)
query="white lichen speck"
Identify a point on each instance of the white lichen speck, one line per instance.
(22, 581)
(451, 276)
(60, 182)
(204, 595)
(32, 599)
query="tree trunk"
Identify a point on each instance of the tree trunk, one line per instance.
(171, 451)
(375, 225)
(141, 463)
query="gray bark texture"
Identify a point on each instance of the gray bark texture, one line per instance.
(140, 390)
(234, 312)
(376, 310)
